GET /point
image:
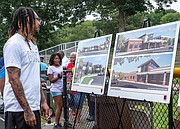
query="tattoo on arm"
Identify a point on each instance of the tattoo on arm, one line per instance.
(14, 79)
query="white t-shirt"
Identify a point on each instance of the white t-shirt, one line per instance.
(18, 54)
(58, 85)
(65, 61)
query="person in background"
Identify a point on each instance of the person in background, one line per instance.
(2, 82)
(74, 95)
(1, 62)
(91, 105)
(22, 94)
(55, 72)
(43, 65)
(69, 82)
(65, 60)
(2, 75)
(43, 72)
(2, 79)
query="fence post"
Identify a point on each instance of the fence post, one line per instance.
(48, 102)
(170, 112)
(65, 97)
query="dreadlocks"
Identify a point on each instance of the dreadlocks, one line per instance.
(20, 19)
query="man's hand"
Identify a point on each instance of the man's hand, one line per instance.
(178, 109)
(45, 111)
(30, 118)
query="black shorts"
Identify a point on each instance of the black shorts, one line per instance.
(15, 120)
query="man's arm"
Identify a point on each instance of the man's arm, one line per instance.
(43, 99)
(14, 79)
(2, 83)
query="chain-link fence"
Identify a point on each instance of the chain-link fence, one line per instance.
(117, 113)
(103, 112)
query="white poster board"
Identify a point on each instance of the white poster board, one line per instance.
(91, 65)
(143, 63)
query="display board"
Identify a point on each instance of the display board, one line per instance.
(143, 63)
(91, 65)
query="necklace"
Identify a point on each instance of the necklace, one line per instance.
(28, 44)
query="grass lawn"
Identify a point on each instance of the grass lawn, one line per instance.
(160, 110)
(86, 80)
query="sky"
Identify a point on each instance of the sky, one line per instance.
(174, 5)
(164, 30)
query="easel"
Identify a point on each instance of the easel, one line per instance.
(96, 34)
(170, 108)
(120, 113)
(77, 110)
(66, 126)
(65, 98)
(123, 102)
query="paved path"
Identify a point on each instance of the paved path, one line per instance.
(82, 125)
(2, 121)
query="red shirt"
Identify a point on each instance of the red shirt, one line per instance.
(69, 76)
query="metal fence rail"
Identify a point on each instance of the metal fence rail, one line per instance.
(66, 47)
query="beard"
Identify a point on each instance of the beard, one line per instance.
(36, 32)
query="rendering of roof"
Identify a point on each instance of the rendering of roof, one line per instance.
(147, 62)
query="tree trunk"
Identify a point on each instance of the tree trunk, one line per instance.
(122, 21)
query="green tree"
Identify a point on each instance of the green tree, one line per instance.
(54, 14)
(119, 9)
(117, 17)
(135, 21)
(170, 17)
(122, 9)
(121, 75)
(3, 36)
(68, 34)
(155, 18)
(58, 13)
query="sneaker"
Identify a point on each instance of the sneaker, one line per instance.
(57, 126)
(69, 125)
(1, 109)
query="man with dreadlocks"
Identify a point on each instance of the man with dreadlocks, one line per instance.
(22, 92)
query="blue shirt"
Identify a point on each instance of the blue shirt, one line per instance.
(43, 66)
(2, 72)
(1, 62)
